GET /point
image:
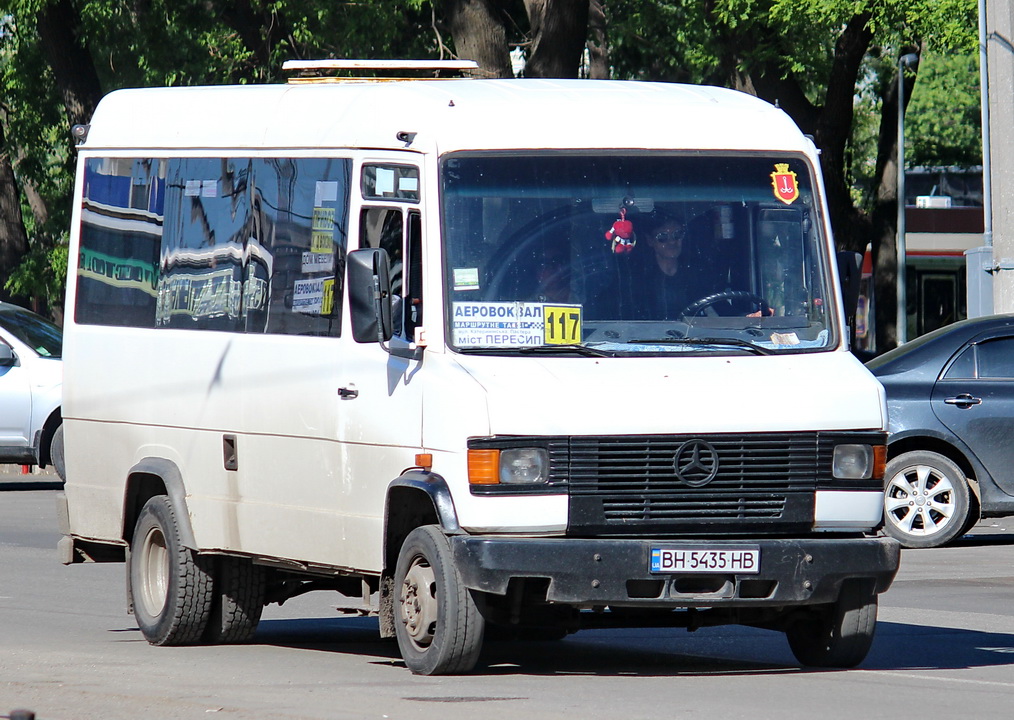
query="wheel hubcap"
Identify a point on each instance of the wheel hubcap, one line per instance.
(418, 601)
(920, 501)
(154, 572)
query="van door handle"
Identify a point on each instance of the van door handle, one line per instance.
(348, 393)
(964, 400)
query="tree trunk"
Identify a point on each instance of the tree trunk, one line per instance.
(885, 216)
(13, 240)
(76, 79)
(559, 30)
(261, 33)
(598, 48)
(479, 33)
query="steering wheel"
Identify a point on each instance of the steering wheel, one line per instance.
(707, 301)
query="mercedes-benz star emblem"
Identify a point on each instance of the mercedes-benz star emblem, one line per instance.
(696, 463)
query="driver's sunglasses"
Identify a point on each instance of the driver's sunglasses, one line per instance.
(670, 235)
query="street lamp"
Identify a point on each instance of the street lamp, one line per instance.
(905, 61)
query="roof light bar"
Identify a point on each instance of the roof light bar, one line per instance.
(346, 64)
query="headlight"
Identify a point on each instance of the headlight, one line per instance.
(524, 466)
(859, 462)
(508, 466)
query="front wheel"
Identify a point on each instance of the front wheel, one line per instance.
(926, 500)
(437, 623)
(838, 634)
(170, 585)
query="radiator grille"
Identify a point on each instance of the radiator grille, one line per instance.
(763, 482)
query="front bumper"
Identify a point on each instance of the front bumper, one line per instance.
(615, 572)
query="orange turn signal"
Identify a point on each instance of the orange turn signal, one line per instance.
(483, 467)
(879, 461)
(424, 460)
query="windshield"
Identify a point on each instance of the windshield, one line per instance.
(45, 338)
(634, 253)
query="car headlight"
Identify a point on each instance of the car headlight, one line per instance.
(859, 462)
(524, 466)
(508, 466)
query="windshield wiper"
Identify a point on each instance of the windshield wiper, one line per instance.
(732, 342)
(583, 350)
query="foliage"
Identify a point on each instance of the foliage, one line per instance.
(163, 42)
(943, 123)
(42, 274)
(787, 44)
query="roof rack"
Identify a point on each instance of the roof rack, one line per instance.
(312, 70)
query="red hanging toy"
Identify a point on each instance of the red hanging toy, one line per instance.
(621, 234)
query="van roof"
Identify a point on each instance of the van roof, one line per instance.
(444, 115)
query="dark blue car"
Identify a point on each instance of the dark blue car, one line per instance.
(950, 400)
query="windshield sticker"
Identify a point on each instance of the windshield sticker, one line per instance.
(322, 237)
(201, 188)
(784, 183)
(466, 279)
(784, 338)
(313, 297)
(318, 262)
(506, 324)
(325, 191)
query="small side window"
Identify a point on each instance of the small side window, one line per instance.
(413, 294)
(963, 366)
(390, 182)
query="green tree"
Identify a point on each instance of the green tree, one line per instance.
(58, 57)
(943, 123)
(813, 58)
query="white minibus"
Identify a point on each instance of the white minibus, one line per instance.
(528, 356)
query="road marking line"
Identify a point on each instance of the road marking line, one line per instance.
(936, 678)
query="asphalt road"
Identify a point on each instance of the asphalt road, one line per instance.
(68, 651)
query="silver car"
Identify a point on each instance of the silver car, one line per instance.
(31, 389)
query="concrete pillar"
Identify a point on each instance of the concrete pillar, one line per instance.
(1000, 50)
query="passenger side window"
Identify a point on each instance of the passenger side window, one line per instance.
(386, 228)
(963, 366)
(996, 358)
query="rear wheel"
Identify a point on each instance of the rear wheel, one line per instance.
(238, 600)
(838, 634)
(926, 500)
(437, 623)
(56, 454)
(170, 585)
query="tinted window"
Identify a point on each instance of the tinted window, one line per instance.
(235, 244)
(638, 252)
(121, 235)
(390, 182)
(996, 358)
(45, 338)
(963, 365)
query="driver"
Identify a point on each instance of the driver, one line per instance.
(670, 279)
(665, 283)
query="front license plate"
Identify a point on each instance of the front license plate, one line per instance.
(741, 561)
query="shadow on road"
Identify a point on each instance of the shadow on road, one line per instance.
(659, 653)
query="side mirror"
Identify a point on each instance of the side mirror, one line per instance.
(7, 356)
(850, 272)
(369, 273)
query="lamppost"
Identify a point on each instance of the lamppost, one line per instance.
(905, 61)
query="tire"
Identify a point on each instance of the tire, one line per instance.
(437, 623)
(56, 454)
(974, 515)
(926, 500)
(838, 635)
(237, 603)
(170, 585)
